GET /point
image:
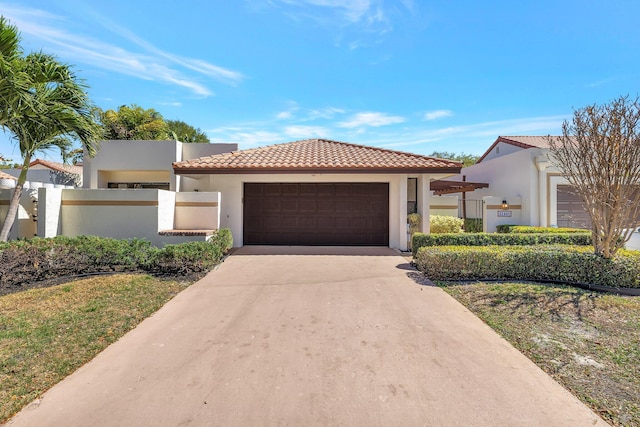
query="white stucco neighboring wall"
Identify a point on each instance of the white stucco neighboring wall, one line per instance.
(231, 188)
(502, 149)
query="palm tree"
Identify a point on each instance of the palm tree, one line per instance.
(59, 112)
(14, 85)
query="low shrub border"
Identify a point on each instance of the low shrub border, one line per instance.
(555, 263)
(485, 239)
(38, 259)
(506, 228)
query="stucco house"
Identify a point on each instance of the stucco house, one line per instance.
(50, 172)
(310, 192)
(519, 172)
(317, 192)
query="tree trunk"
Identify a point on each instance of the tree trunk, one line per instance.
(15, 201)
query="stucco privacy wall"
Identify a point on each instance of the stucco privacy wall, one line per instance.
(444, 205)
(232, 186)
(120, 214)
(197, 211)
(25, 225)
(126, 214)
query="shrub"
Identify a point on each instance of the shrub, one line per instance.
(561, 263)
(473, 225)
(37, 259)
(445, 224)
(527, 229)
(485, 239)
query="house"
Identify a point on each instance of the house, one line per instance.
(523, 186)
(317, 192)
(50, 172)
(310, 192)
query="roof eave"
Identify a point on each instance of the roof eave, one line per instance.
(273, 171)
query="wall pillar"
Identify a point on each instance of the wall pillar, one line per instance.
(424, 201)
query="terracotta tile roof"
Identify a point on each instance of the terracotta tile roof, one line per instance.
(4, 175)
(316, 155)
(520, 141)
(60, 167)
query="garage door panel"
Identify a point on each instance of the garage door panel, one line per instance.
(316, 213)
(289, 205)
(272, 190)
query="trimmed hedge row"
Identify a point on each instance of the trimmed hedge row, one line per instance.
(37, 259)
(485, 239)
(569, 264)
(505, 228)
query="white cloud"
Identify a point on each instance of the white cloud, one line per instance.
(371, 119)
(301, 132)
(171, 104)
(437, 114)
(152, 64)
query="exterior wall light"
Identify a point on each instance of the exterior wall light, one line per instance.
(505, 205)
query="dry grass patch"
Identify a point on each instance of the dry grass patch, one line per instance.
(46, 334)
(588, 342)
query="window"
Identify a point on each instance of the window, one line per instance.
(137, 185)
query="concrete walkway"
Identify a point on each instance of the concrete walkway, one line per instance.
(310, 337)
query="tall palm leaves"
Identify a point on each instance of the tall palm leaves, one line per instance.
(52, 112)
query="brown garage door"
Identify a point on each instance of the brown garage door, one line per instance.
(571, 212)
(316, 214)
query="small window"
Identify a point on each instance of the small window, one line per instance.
(137, 185)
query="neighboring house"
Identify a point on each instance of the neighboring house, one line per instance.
(317, 192)
(49, 172)
(518, 171)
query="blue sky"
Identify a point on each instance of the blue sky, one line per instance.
(408, 75)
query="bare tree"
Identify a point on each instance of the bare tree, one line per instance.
(599, 154)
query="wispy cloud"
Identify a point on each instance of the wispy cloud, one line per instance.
(600, 82)
(355, 23)
(305, 131)
(171, 104)
(372, 119)
(151, 64)
(437, 114)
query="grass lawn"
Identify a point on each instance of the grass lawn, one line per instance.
(588, 342)
(46, 334)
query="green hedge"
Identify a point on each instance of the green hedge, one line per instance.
(506, 228)
(561, 263)
(38, 259)
(445, 224)
(485, 239)
(473, 225)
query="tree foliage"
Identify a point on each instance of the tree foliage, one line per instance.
(466, 159)
(599, 154)
(184, 132)
(55, 111)
(134, 122)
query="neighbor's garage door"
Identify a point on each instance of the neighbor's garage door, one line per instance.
(571, 212)
(316, 214)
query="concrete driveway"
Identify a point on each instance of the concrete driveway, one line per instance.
(305, 337)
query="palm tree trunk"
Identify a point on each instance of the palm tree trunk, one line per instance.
(15, 201)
